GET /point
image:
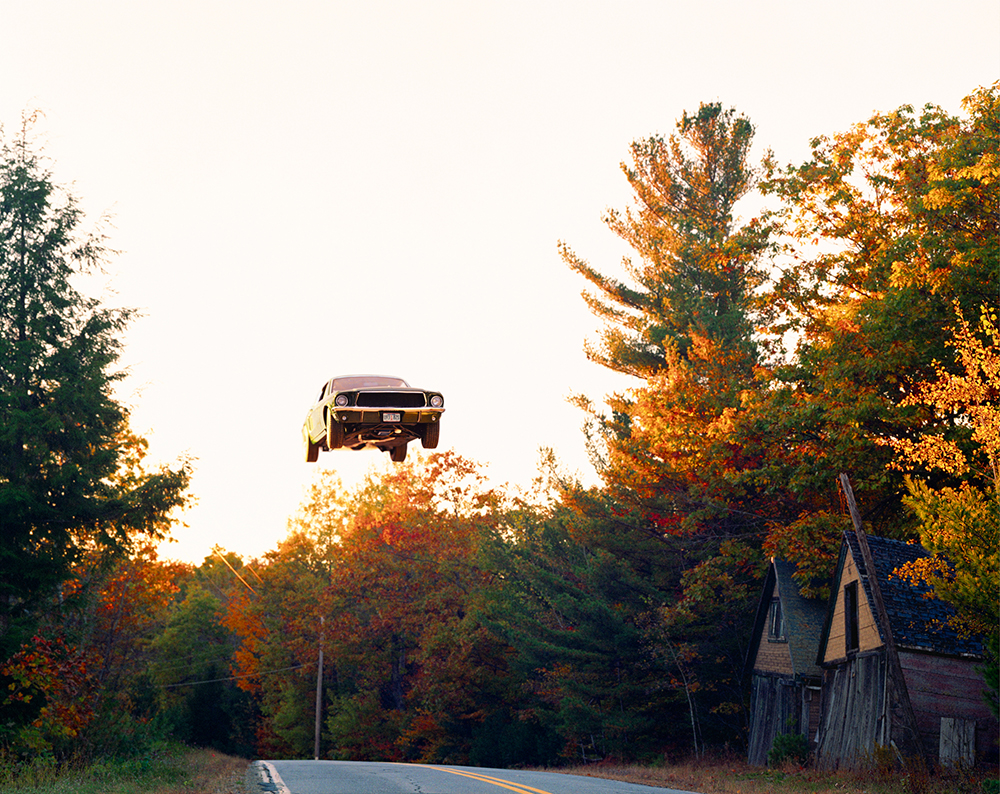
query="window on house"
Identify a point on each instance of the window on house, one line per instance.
(851, 616)
(776, 621)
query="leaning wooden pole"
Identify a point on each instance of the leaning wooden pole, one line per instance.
(906, 737)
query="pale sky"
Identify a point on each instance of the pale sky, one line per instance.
(305, 189)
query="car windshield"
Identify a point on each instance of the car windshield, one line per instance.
(368, 382)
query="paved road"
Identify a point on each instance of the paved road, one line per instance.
(355, 777)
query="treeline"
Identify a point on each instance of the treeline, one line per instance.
(849, 326)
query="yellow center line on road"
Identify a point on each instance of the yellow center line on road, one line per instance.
(496, 781)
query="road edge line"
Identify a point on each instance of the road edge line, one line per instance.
(263, 777)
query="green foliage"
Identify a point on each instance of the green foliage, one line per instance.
(961, 527)
(696, 271)
(81, 592)
(65, 449)
(788, 747)
(191, 660)
(573, 613)
(159, 767)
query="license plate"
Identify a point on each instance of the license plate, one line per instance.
(391, 416)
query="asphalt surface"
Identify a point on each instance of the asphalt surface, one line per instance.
(356, 777)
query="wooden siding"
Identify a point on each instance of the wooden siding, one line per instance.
(868, 636)
(851, 718)
(814, 700)
(947, 687)
(777, 706)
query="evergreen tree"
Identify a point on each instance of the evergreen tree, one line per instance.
(696, 268)
(576, 614)
(684, 327)
(65, 449)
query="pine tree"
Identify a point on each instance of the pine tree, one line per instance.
(683, 324)
(67, 474)
(696, 269)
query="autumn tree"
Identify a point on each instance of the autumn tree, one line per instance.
(384, 577)
(79, 686)
(63, 437)
(683, 323)
(883, 228)
(415, 665)
(960, 525)
(276, 622)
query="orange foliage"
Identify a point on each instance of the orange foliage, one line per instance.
(59, 676)
(77, 668)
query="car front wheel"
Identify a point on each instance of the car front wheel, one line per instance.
(334, 434)
(312, 451)
(398, 454)
(431, 435)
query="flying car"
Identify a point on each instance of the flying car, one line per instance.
(372, 411)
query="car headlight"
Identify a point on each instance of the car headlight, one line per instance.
(437, 401)
(341, 399)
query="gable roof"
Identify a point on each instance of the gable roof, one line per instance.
(804, 620)
(918, 620)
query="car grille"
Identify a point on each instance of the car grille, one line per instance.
(390, 399)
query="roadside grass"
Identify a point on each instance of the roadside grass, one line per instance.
(721, 776)
(168, 769)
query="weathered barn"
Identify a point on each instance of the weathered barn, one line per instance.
(781, 663)
(896, 674)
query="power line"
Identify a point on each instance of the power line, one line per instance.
(218, 553)
(236, 677)
(189, 665)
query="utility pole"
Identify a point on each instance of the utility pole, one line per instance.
(319, 689)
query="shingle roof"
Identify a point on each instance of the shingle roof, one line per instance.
(803, 621)
(918, 622)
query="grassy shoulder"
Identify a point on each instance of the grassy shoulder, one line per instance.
(737, 777)
(168, 769)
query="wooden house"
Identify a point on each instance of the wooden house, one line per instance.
(896, 674)
(781, 663)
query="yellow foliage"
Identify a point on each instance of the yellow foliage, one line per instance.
(961, 527)
(974, 397)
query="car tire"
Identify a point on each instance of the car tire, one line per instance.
(334, 434)
(312, 451)
(398, 454)
(431, 435)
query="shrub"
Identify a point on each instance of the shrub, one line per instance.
(786, 747)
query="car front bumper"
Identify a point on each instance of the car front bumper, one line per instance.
(378, 416)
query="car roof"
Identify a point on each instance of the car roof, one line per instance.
(372, 377)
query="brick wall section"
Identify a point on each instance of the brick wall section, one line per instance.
(772, 657)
